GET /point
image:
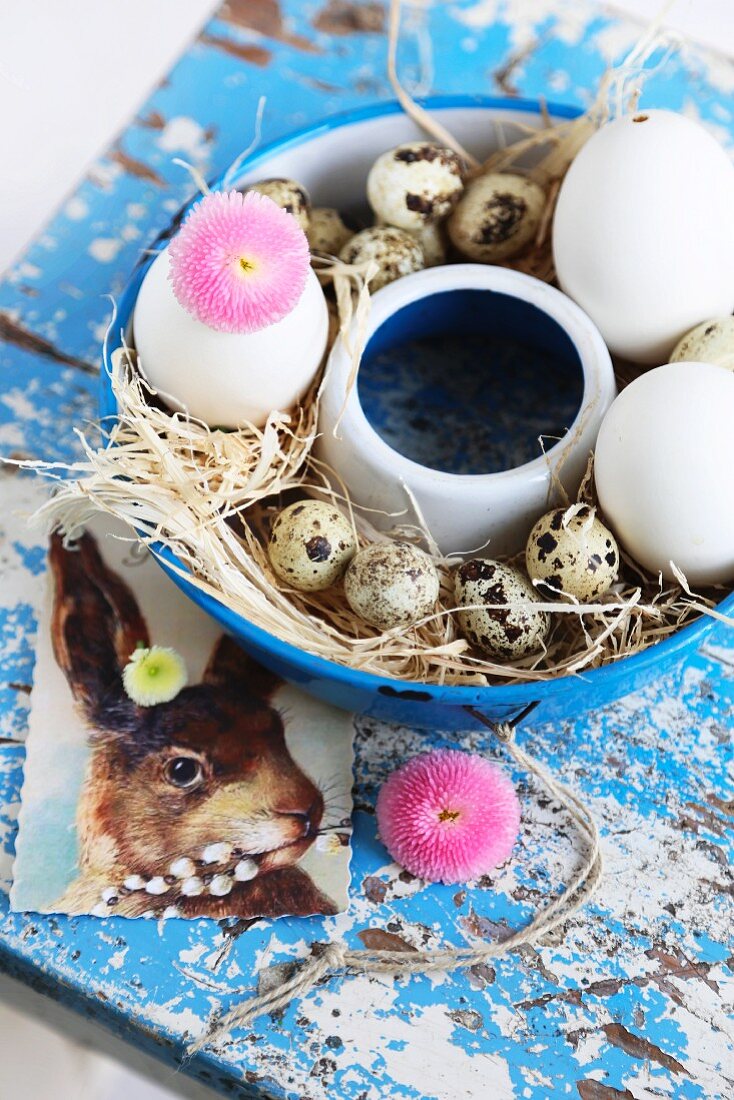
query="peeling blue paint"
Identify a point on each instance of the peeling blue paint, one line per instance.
(652, 955)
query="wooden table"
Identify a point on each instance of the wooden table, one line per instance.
(632, 1002)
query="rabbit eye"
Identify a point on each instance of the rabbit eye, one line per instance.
(183, 771)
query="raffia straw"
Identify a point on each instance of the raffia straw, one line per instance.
(209, 496)
(335, 958)
(196, 176)
(545, 155)
(414, 110)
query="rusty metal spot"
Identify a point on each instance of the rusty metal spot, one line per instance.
(154, 120)
(265, 17)
(376, 939)
(344, 17)
(374, 889)
(12, 332)
(243, 51)
(137, 168)
(595, 1090)
(639, 1047)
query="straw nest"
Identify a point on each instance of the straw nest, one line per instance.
(209, 496)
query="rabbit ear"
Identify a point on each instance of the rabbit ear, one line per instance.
(95, 625)
(229, 666)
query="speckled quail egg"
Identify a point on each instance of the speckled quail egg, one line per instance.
(395, 251)
(311, 544)
(326, 231)
(415, 183)
(480, 586)
(289, 195)
(710, 342)
(391, 584)
(497, 216)
(571, 552)
(432, 239)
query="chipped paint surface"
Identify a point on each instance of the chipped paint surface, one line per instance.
(636, 1000)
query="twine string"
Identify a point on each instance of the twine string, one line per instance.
(335, 958)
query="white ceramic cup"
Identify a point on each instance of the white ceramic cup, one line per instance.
(464, 512)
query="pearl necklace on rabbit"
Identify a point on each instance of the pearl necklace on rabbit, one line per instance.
(186, 878)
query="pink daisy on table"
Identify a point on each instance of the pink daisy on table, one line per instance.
(448, 816)
(239, 262)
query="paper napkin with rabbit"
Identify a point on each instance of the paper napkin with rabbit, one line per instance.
(233, 798)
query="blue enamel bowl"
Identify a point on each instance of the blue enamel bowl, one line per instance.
(332, 159)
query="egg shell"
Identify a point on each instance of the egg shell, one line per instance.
(391, 584)
(710, 342)
(326, 231)
(290, 195)
(395, 251)
(311, 544)
(497, 216)
(643, 233)
(499, 631)
(416, 183)
(663, 471)
(227, 378)
(432, 239)
(570, 552)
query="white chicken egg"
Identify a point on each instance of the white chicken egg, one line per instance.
(643, 234)
(663, 470)
(227, 378)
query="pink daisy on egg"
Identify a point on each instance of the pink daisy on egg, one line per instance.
(448, 816)
(239, 262)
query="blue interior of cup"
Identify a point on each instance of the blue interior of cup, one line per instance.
(470, 381)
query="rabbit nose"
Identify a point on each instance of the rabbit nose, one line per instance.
(308, 818)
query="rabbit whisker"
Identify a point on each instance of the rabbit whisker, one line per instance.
(333, 806)
(333, 779)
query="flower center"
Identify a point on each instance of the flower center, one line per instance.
(448, 815)
(247, 266)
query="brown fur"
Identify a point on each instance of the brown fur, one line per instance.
(132, 817)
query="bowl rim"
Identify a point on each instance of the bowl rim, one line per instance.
(319, 668)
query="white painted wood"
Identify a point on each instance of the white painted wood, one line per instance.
(71, 74)
(48, 1052)
(710, 22)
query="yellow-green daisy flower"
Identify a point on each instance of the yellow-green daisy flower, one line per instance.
(154, 675)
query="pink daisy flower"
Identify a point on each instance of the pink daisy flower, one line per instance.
(239, 262)
(448, 816)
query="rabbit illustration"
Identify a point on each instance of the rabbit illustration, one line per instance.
(192, 807)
